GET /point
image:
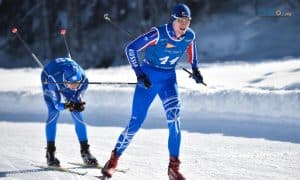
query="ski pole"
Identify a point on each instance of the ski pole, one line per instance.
(191, 74)
(14, 30)
(107, 18)
(63, 34)
(104, 83)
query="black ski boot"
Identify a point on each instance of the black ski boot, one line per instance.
(50, 155)
(87, 157)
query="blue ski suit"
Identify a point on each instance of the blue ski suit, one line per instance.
(52, 73)
(162, 52)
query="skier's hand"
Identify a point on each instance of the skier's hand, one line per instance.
(197, 76)
(144, 81)
(79, 106)
(75, 106)
(70, 105)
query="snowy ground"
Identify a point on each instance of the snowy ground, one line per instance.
(244, 125)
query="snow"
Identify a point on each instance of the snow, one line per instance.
(244, 125)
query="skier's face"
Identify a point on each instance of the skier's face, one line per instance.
(73, 86)
(181, 25)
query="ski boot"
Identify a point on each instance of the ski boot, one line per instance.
(173, 169)
(87, 157)
(50, 155)
(111, 165)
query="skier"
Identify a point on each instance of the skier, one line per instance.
(164, 45)
(72, 89)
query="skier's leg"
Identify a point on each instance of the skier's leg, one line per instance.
(53, 115)
(141, 102)
(81, 132)
(51, 122)
(169, 96)
(80, 126)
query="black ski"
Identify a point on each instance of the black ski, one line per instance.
(96, 167)
(102, 177)
(61, 169)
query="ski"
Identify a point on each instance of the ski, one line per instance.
(61, 169)
(96, 167)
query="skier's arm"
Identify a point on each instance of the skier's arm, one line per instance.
(82, 89)
(54, 94)
(192, 55)
(147, 39)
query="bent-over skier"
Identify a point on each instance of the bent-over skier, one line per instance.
(64, 77)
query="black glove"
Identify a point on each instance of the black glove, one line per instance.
(197, 76)
(79, 106)
(144, 80)
(69, 105)
(75, 106)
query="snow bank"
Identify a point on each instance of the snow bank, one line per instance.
(266, 91)
(253, 102)
(102, 102)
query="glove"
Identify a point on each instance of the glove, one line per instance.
(79, 106)
(72, 106)
(197, 76)
(144, 81)
(69, 105)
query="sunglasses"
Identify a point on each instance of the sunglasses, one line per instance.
(183, 19)
(69, 82)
